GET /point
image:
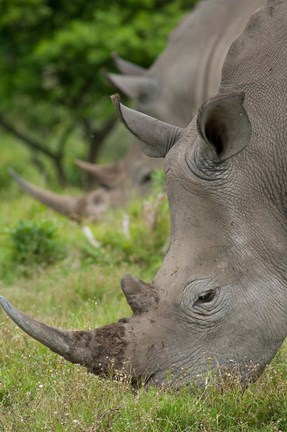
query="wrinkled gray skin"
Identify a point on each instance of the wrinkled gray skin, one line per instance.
(173, 88)
(220, 296)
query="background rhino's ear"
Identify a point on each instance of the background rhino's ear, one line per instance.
(105, 175)
(135, 87)
(127, 68)
(155, 137)
(224, 126)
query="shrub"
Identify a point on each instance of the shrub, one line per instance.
(36, 243)
(142, 242)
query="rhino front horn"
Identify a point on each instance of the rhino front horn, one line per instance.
(96, 349)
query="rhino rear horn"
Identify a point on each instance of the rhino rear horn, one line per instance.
(133, 86)
(63, 204)
(140, 296)
(106, 175)
(156, 137)
(95, 349)
(126, 67)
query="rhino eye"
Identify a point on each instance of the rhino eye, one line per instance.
(146, 178)
(143, 97)
(207, 297)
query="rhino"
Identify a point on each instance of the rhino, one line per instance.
(188, 71)
(118, 182)
(219, 299)
(183, 76)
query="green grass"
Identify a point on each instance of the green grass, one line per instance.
(40, 391)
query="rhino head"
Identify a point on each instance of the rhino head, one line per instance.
(117, 182)
(219, 298)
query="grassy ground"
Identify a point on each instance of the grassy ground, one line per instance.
(80, 289)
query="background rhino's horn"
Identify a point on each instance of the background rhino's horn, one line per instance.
(106, 175)
(64, 204)
(156, 137)
(95, 349)
(133, 86)
(126, 67)
(140, 296)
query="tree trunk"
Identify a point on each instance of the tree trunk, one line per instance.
(33, 145)
(95, 139)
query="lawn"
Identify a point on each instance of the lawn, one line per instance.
(70, 283)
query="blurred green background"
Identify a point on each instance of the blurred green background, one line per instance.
(54, 103)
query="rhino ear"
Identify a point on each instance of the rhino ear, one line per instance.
(135, 87)
(155, 137)
(224, 126)
(106, 175)
(127, 68)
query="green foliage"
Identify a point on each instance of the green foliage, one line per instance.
(138, 237)
(158, 180)
(36, 243)
(53, 53)
(83, 291)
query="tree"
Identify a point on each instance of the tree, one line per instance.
(52, 53)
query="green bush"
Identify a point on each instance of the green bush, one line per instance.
(158, 180)
(143, 244)
(36, 243)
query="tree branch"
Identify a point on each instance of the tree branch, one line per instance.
(33, 145)
(96, 137)
(30, 142)
(62, 141)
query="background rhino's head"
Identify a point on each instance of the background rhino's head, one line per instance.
(219, 298)
(117, 183)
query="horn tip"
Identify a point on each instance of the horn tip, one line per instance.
(4, 303)
(111, 78)
(12, 172)
(15, 176)
(116, 100)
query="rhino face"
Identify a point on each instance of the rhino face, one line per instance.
(219, 298)
(214, 287)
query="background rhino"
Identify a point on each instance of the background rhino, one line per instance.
(183, 76)
(188, 71)
(219, 298)
(118, 182)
